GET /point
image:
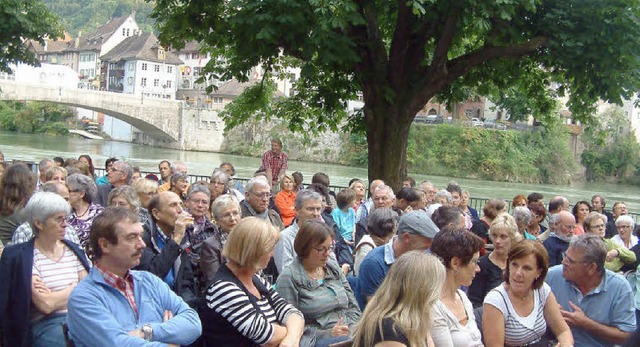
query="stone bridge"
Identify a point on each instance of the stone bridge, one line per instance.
(165, 123)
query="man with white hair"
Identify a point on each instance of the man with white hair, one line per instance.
(382, 196)
(256, 203)
(558, 241)
(366, 208)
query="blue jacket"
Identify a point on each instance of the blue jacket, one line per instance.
(555, 247)
(15, 291)
(99, 315)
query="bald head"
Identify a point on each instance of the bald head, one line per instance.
(375, 184)
(566, 223)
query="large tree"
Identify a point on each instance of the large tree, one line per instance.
(23, 20)
(400, 54)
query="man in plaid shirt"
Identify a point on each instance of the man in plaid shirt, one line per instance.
(274, 162)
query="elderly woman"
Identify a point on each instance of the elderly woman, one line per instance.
(625, 237)
(219, 185)
(517, 312)
(617, 254)
(464, 206)
(382, 225)
(490, 211)
(226, 213)
(36, 277)
(146, 189)
(522, 215)
(82, 193)
(399, 313)
(454, 323)
(285, 199)
(16, 186)
(580, 210)
(317, 287)
(126, 197)
(179, 185)
(503, 234)
(243, 309)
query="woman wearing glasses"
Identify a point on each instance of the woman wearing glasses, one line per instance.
(82, 196)
(226, 214)
(454, 323)
(317, 287)
(617, 254)
(517, 312)
(36, 277)
(625, 237)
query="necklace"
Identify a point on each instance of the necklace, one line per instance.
(83, 213)
(316, 274)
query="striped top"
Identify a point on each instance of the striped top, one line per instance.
(56, 274)
(520, 331)
(254, 322)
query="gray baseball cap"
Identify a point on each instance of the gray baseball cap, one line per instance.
(418, 223)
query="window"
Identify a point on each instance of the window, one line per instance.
(168, 84)
(169, 69)
(195, 55)
(127, 32)
(197, 71)
(156, 82)
(144, 66)
(124, 31)
(217, 100)
(156, 68)
(143, 82)
(131, 66)
(130, 81)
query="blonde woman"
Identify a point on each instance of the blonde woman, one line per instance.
(146, 189)
(242, 308)
(399, 314)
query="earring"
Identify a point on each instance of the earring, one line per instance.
(455, 272)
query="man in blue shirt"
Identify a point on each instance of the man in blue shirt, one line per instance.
(596, 303)
(117, 306)
(415, 232)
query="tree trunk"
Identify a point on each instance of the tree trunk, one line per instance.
(387, 138)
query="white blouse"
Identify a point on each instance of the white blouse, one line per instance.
(446, 330)
(632, 241)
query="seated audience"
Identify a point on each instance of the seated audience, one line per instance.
(315, 285)
(625, 237)
(399, 313)
(118, 306)
(242, 308)
(517, 312)
(82, 194)
(36, 277)
(454, 323)
(558, 241)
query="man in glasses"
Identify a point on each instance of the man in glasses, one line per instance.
(118, 175)
(257, 194)
(595, 302)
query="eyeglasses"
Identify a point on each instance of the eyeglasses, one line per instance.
(60, 220)
(113, 169)
(150, 193)
(595, 227)
(571, 261)
(624, 226)
(474, 261)
(324, 250)
(230, 215)
(201, 201)
(262, 195)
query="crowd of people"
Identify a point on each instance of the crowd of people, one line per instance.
(129, 259)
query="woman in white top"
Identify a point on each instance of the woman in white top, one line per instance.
(454, 324)
(625, 237)
(517, 312)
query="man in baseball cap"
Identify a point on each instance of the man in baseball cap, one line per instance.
(415, 232)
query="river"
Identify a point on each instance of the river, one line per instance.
(31, 147)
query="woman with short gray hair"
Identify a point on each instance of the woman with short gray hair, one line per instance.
(180, 185)
(220, 184)
(226, 214)
(37, 277)
(127, 197)
(82, 192)
(522, 215)
(625, 237)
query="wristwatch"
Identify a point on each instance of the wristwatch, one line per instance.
(147, 330)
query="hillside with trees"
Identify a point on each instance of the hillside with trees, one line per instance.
(84, 16)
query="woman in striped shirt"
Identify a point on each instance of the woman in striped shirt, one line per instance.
(517, 312)
(36, 277)
(242, 308)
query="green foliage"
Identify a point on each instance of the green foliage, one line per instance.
(611, 150)
(540, 156)
(24, 20)
(34, 117)
(87, 15)
(401, 54)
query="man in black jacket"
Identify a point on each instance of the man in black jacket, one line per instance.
(166, 254)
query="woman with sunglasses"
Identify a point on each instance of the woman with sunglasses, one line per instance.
(317, 287)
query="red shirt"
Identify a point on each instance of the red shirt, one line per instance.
(276, 164)
(123, 285)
